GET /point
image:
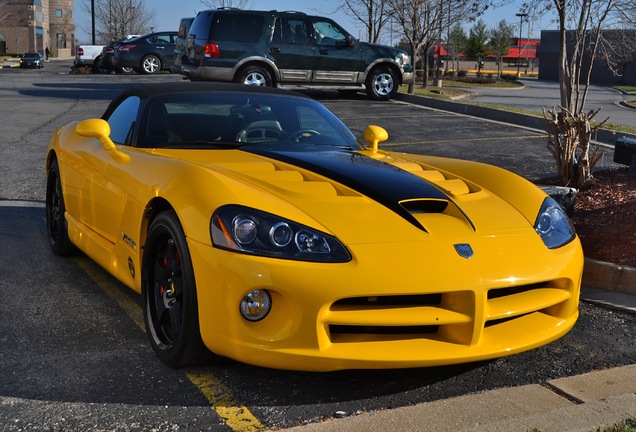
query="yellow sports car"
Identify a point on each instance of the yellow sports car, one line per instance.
(257, 227)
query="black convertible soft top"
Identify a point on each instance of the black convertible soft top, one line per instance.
(144, 91)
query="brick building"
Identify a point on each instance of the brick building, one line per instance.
(34, 25)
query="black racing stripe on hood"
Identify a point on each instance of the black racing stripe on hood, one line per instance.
(380, 181)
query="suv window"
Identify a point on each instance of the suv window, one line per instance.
(327, 33)
(237, 27)
(291, 30)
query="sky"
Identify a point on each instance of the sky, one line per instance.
(169, 12)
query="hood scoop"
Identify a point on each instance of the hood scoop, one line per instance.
(405, 188)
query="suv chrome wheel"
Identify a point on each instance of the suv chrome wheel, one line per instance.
(254, 75)
(381, 84)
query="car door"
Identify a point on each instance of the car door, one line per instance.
(338, 58)
(164, 44)
(105, 204)
(292, 48)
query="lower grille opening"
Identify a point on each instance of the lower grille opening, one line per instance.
(492, 323)
(502, 292)
(397, 300)
(382, 330)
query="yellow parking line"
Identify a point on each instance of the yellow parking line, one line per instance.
(105, 282)
(237, 417)
(507, 138)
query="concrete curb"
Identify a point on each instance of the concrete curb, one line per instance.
(610, 277)
(587, 402)
(603, 136)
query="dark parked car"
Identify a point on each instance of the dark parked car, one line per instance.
(32, 60)
(290, 50)
(180, 44)
(146, 54)
(106, 59)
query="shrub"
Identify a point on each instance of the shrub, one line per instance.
(509, 77)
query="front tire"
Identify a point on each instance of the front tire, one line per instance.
(56, 228)
(254, 75)
(150, 64)
(382, 84)
(169, 294)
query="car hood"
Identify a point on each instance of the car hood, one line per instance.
(353, 194)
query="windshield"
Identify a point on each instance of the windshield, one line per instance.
(222, 119)
(31, 55)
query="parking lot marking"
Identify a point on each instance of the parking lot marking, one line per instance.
(237, 417)
(105, 282)
(503, 138)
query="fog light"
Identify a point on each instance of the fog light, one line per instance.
(256, 305)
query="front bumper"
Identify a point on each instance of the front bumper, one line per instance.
(393, 306)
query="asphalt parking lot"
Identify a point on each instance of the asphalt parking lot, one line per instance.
(74, 352)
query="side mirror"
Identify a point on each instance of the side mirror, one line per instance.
(374, 135)
(96, 128)
(100, 130)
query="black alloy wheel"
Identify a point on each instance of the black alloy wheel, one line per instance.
(169, 294)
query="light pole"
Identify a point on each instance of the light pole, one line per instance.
(521, 17)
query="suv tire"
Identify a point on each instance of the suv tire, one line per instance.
(254, 75)
(382, 83)
(150, 64)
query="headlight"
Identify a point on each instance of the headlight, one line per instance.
(402, 58)
(553, 225)
(246, 230)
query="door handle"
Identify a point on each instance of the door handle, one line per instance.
(274, 50)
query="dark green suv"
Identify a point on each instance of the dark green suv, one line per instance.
(290, 50)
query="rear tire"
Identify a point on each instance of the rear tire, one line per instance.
(56, 228)
(150, 64)
(254, 75)
(169, 295)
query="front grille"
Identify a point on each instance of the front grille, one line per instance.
(460, 317)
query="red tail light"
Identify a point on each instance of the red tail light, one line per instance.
(126, 48)
(212, 50)
(80, 51)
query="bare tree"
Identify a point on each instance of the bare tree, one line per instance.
(371, 13)
(423, 22)
(114, 19)
(456, 45)
(500, 41)
(238, 4)
(420, 22)
(581, 25)
(5, 11)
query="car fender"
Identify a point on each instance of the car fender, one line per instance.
(383, 62)
(520, 193)
(257, 60)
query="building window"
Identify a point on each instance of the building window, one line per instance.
(61, 40)
(69, 14)
(59, 13)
